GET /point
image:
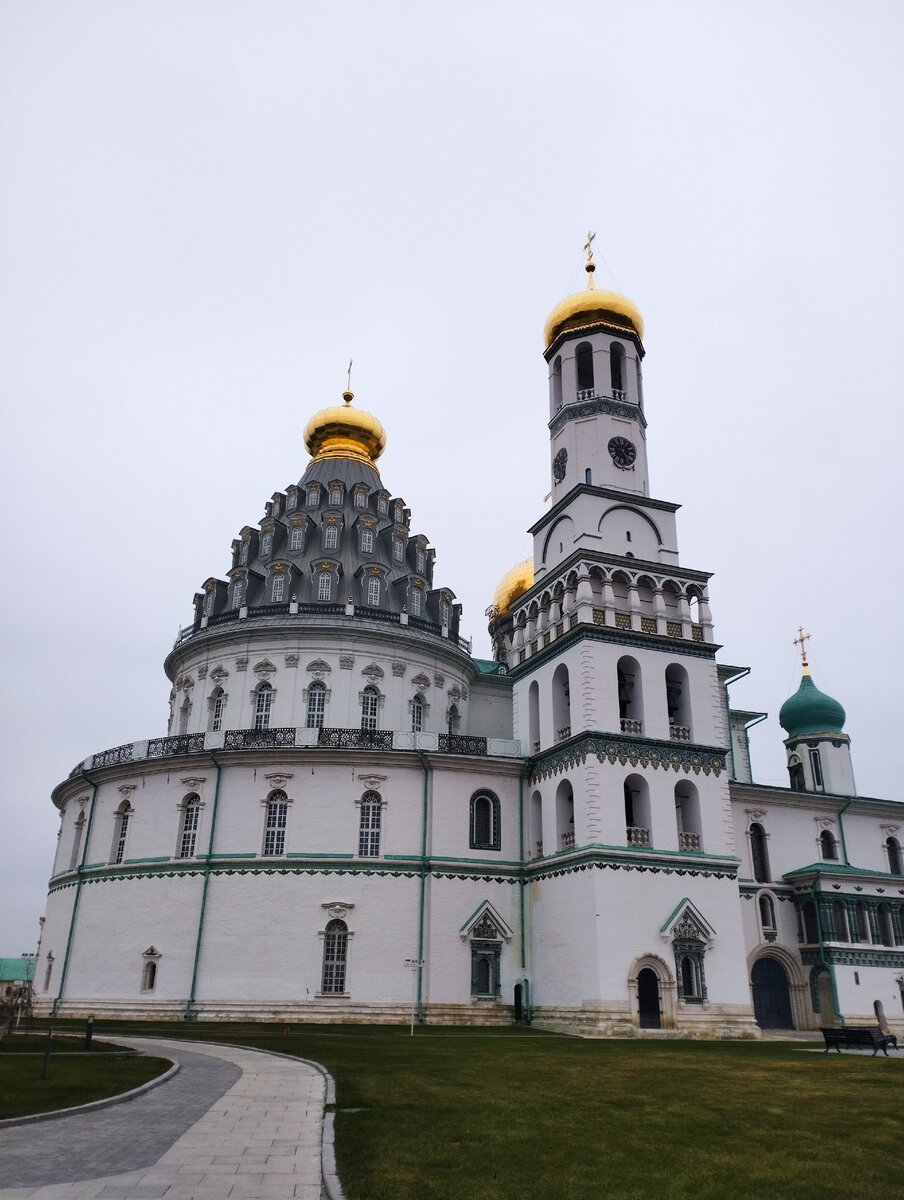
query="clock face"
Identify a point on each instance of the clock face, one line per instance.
(623, 453)
(558, 465)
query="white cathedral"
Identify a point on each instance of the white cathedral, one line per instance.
(351, 818)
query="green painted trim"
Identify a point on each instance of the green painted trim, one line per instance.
(93, 866)
(240, 854)
(78, 892)
(623, 749)
(349, 857)
(874, 957)
(512, 864)
(159, 858)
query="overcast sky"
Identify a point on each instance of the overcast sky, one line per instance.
(206, 208)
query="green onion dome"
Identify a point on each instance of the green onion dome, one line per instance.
(811, 711)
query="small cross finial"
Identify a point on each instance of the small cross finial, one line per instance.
(348, 395)
(801, 642)
(590, 265)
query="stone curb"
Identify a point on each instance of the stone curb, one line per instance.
(93, 1105)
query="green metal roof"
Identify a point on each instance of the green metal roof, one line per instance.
(811, 711)
(487, 667)
(12, 969)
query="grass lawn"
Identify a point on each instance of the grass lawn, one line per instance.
(470, 1114)
(72, 1078)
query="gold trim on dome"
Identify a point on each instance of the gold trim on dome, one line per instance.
(345, 432)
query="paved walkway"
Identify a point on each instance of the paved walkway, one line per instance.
(231, 1123)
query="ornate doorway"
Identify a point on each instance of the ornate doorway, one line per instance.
(771, 994)
(648, 1006)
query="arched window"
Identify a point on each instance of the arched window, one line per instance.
(485, 832)
(677, 692)
(382, 505)
(369, 826)
(556, 379)
(420, 559)
(417, 714)
(445, 613)
(758, 853)
(630, 695)
(296, 541)
(77, 834)
(313, 495)
(335, 493)
(828, 847)
(279, 588)
(398, 550)
(893, 850)
(453, 720)
(584, 361)
(291, 499)
(335, 956)
(120, 831)
(324, 586)
(370, 707)
(360, 498)
(275, 823)
(533, 716)
(536, 825)
(687, 816)
(367, 541)
(414, 602)
(262, 705)
(217, 706)
(188, 826)
(238, 593)
(373, 591)
(561, 703)
(767, 916)
(399, 513)
(149, 975)
(330, 537)
(565, 832)
(266, 544)
(243, 553)
(637, 811)
(316, 705)
(184, 714)
(617, 366)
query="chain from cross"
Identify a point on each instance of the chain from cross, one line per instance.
(801, 641)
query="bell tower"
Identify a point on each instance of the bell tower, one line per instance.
(617, 700)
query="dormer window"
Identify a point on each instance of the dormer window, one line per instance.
(291, 499)
(243, 554)
(414, 602)
(279, 589)
(324, 586)
(445, 613)
(382, 506)
(266, 544)
(398, 550)
(296, 541)
(367, 541)
(399, 513)
(335, 493)
(313, 496)
(373, 591)
(360, 498)
(421, 559)
(238, 593)
(331, 537)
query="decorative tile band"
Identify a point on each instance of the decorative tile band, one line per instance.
(639, 753)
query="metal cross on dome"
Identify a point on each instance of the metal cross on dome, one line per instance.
(588, 246)
(801, 641)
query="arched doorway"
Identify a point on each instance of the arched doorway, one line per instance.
(519, 1003)
(771, 994)
(648, 1006)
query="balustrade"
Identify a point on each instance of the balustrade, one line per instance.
(629, 725)
(638, 836)
(689, 841)
(680, 733)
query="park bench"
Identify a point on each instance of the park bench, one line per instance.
(860, 1035)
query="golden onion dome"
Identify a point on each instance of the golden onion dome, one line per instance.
(592, 307)
(345, 432)
(514, 583)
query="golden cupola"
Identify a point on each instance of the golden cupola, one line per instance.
(345, 432)
(590, 308)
